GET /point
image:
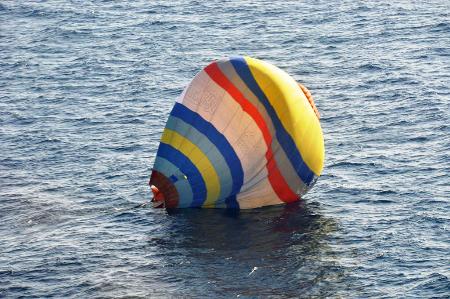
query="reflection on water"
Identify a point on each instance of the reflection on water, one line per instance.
(267, 251)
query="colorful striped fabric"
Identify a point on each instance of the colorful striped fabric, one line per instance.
(241, 135)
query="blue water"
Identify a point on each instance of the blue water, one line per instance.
(86, 87)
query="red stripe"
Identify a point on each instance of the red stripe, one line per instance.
(276, 179)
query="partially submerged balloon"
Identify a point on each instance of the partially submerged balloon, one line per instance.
(243, 134)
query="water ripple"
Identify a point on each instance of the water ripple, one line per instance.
(86, 88)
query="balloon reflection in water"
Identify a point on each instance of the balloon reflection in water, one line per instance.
(286, 244)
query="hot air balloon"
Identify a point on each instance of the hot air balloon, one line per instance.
(243, 134)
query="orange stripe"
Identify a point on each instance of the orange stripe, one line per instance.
(308, 95)
(276, 179)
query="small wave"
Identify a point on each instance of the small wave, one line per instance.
(418, 139)
(130, 148)
(347, 164)
(375, 201)
(131, 121)
(441, 27)
(370, 67)
(386, 192)
(435, 285)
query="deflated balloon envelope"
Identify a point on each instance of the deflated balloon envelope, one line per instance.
(241, 135)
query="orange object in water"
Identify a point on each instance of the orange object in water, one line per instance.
(310, 99)
(158, 197)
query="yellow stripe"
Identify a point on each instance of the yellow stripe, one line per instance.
(200, 160)
(293, 110)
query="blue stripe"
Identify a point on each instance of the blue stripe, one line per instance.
(185, 165)
(218, 139)
(232, 203)
(211, 152)
(285, 140)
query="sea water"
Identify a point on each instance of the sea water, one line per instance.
(86, 88)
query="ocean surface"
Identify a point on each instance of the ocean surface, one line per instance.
(86, 88)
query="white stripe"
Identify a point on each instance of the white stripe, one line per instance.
(209, 100)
